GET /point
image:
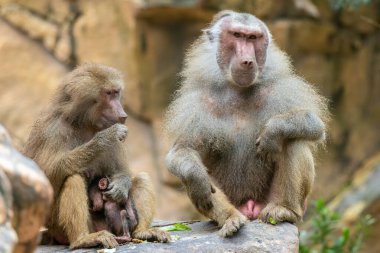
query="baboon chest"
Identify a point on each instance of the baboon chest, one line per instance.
(232, 163)
(233, 127)
(237, 170)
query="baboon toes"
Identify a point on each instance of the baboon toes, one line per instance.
(274, 213)
(103, 238)
(232, 224)
(108, 241)
(153, 235)
(162, 236)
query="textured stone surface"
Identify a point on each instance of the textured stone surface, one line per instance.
(362, 193)
(7, 233)
(36, 27)
(255, 237)
(361, 197)
(28, 77)
(304, 39)
(31, 193)
(364, 20)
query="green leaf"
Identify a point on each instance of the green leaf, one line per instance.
(176, 227)
(319, 204)
(272, 221)
(303, 248)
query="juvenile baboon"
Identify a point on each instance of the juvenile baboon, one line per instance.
(244, 126)
(107, 214)
(81, 130)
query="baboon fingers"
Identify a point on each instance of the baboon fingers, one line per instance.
(152, 234)
(232, 224)
(162, 236)
(110, 242)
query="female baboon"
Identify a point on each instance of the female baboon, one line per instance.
(83, 129)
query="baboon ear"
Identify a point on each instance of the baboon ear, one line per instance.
(209, 34)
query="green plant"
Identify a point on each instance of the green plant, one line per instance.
(326, 236)
(176, 227)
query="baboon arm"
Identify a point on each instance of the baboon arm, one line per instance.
(120, 181)
(298, 124)
(72, 162)
(185, 163)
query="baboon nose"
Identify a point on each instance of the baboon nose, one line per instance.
(123, 118)
(247, 64)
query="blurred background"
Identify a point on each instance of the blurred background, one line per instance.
(335, 45)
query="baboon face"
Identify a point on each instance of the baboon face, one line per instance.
(91, 97)
(103, 183)
(109, 109)
(242, 49)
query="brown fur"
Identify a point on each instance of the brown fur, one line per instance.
(249, 142)
(80, 132)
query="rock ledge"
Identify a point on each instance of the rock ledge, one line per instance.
(253, 237)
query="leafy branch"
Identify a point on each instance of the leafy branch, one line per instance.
(327, 236)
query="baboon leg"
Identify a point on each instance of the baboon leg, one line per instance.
(74, 216)
(143, 196)
(292, 182)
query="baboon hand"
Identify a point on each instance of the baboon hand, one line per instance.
(115, 133)
(200, 193)
(118, 132)
(117, 190)
(268, 143)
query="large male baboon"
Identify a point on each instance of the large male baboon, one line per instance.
(82, 131)
(244, 126)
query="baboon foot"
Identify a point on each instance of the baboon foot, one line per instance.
(103, 238)
(232, 224)
(274, 213)
(152, 234)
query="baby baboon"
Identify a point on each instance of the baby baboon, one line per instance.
(83, 128)
(244, 126)
(119, 218)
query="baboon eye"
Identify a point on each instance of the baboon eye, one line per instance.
(109, 92)
(252, 37)
(237, 35)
